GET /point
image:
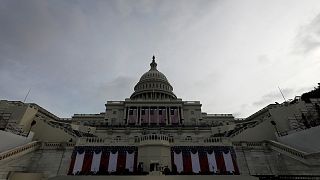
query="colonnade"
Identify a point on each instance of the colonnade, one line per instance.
(170, 115)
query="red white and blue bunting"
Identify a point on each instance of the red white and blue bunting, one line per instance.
(103, 160)
(204, 160)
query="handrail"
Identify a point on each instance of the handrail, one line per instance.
(23, 149)
(288, 149)
(307, 158)
(244, 127)
(57, 145)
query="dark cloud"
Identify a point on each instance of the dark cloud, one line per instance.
(308, 38)
(75, 55)
(65, 51)
(118, 89)
(239, 113)
(273, 96)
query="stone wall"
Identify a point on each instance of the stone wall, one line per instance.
(252, 159)
(268, 162)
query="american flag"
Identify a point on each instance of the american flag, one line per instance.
(153, 116)
(144, 116)
(132, 116)
(162, 116)
(174, 116)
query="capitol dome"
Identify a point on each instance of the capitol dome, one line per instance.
(153, 85)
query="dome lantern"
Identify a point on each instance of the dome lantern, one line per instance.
(153, 64)
(153, 85)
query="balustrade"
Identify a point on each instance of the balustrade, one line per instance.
(20, 150)
(154, 137)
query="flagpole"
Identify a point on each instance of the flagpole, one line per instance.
(26, 96)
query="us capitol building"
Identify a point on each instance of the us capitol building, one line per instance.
(154, 134)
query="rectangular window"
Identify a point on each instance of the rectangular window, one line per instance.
(143, 112)
(160, 111)
(130, 112)
(151, 112)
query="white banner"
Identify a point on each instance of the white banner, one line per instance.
(113, 162)
(212, 162)
(78, 163)
(195, 162)
(178, 161)
(130, 161)
(228, 162)
(96, 162)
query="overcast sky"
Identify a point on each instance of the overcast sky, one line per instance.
(231, 55)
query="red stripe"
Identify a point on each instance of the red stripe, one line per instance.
(220, 162)
(73, 160)
(187, 163)
(87, 161)
(204, 165)
(121, 161)
(173, 168)
(104, 162)
(135, 161)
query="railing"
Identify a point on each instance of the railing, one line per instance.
(284, 148)
(12, 127)
(289, 177)
(244, 127)
(57, 145)
(154, 137)
(250, 145)
(67, 130)
(306, 158)
(261, 111)
(219, 115)
(192, 102)
(20, 150)
(94, 140)
(212, 140)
